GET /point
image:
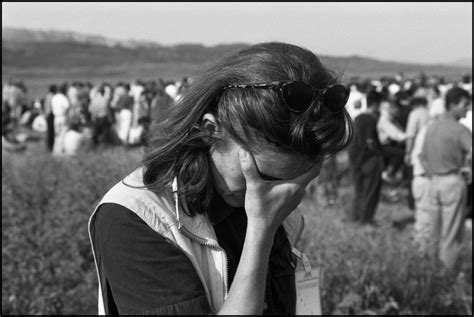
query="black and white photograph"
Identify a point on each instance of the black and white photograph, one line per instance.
(237, 158)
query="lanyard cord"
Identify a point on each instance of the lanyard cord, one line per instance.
(176, 201)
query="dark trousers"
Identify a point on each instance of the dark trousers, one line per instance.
(328, 177)
(50, 132)
(393, 155)
(101, 130)
(367, 184)
(407, 179)
(469, 201)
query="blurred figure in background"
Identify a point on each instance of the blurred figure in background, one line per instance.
(402, 101)
(136, 130)
(48, 112)
(328, 179)
(144, 107)
(417, 119)
(60, 106)
(392, 138)
(118, 91)
(466, 83)
(39, 123)
(467, 122)
(172, 90)
(123, 105)
(100, 114)
(74, 138)
(366, 159)
(357, 102)
(160, 105)
(447, 145)
(181, 86)
(17, 100)
(73, 96)
(85, 99)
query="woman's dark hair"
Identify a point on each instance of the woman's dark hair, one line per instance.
(179, 147)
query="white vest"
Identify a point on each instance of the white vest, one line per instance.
(195, 236)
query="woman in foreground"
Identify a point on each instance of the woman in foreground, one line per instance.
(206, 225)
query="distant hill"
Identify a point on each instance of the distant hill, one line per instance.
(24, 49)
(29, 48)
(52, 36)
(464, 62)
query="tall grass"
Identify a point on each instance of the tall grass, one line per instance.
(47, 265)
(379, 270)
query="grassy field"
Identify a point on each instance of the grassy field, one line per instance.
(47, 265)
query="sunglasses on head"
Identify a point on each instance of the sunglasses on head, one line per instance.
(298, 96)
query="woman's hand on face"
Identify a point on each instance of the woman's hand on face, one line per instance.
(268, 203)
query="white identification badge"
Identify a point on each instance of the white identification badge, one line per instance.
(307, 279)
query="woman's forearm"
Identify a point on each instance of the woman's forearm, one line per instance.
(246, 295)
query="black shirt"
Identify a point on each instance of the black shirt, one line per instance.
(365, 128)
(142, 273)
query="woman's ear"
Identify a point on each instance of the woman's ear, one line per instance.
(209, 123)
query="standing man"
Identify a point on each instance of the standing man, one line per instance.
(100, 114)
(60, 108)
(48, 112)
(419, 186)
(447, 146)
(366, 160)
(418, 118)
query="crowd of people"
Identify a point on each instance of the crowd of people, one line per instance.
(416, 134)
(393, 116)
(80, 115)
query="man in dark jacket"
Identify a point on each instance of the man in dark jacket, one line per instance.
(366, 160)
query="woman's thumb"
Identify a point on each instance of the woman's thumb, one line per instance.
(247, 165)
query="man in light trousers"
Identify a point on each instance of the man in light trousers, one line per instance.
(446, 149)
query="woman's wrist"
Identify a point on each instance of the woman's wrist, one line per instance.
(260, 231)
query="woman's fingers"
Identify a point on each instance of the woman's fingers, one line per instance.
(249, 168)
(304, 179)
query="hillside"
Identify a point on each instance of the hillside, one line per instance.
(57, 55)
(28, 48)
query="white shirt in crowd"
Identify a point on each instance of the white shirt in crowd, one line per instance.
(73, 141)
(416, 151)
(357, 102)
(467, 121)
(436, 107)
(39, 124)
(59, 105)
(394, 88)
(387, 129)
(136, 91)
(172, 91)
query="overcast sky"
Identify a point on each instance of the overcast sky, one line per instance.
(426, 32)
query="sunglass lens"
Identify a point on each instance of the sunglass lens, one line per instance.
(298, 96)
(336, 97)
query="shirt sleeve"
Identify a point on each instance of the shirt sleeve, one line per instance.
(389, 130)
(465, 139)
(412, 125)
(145, 273)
